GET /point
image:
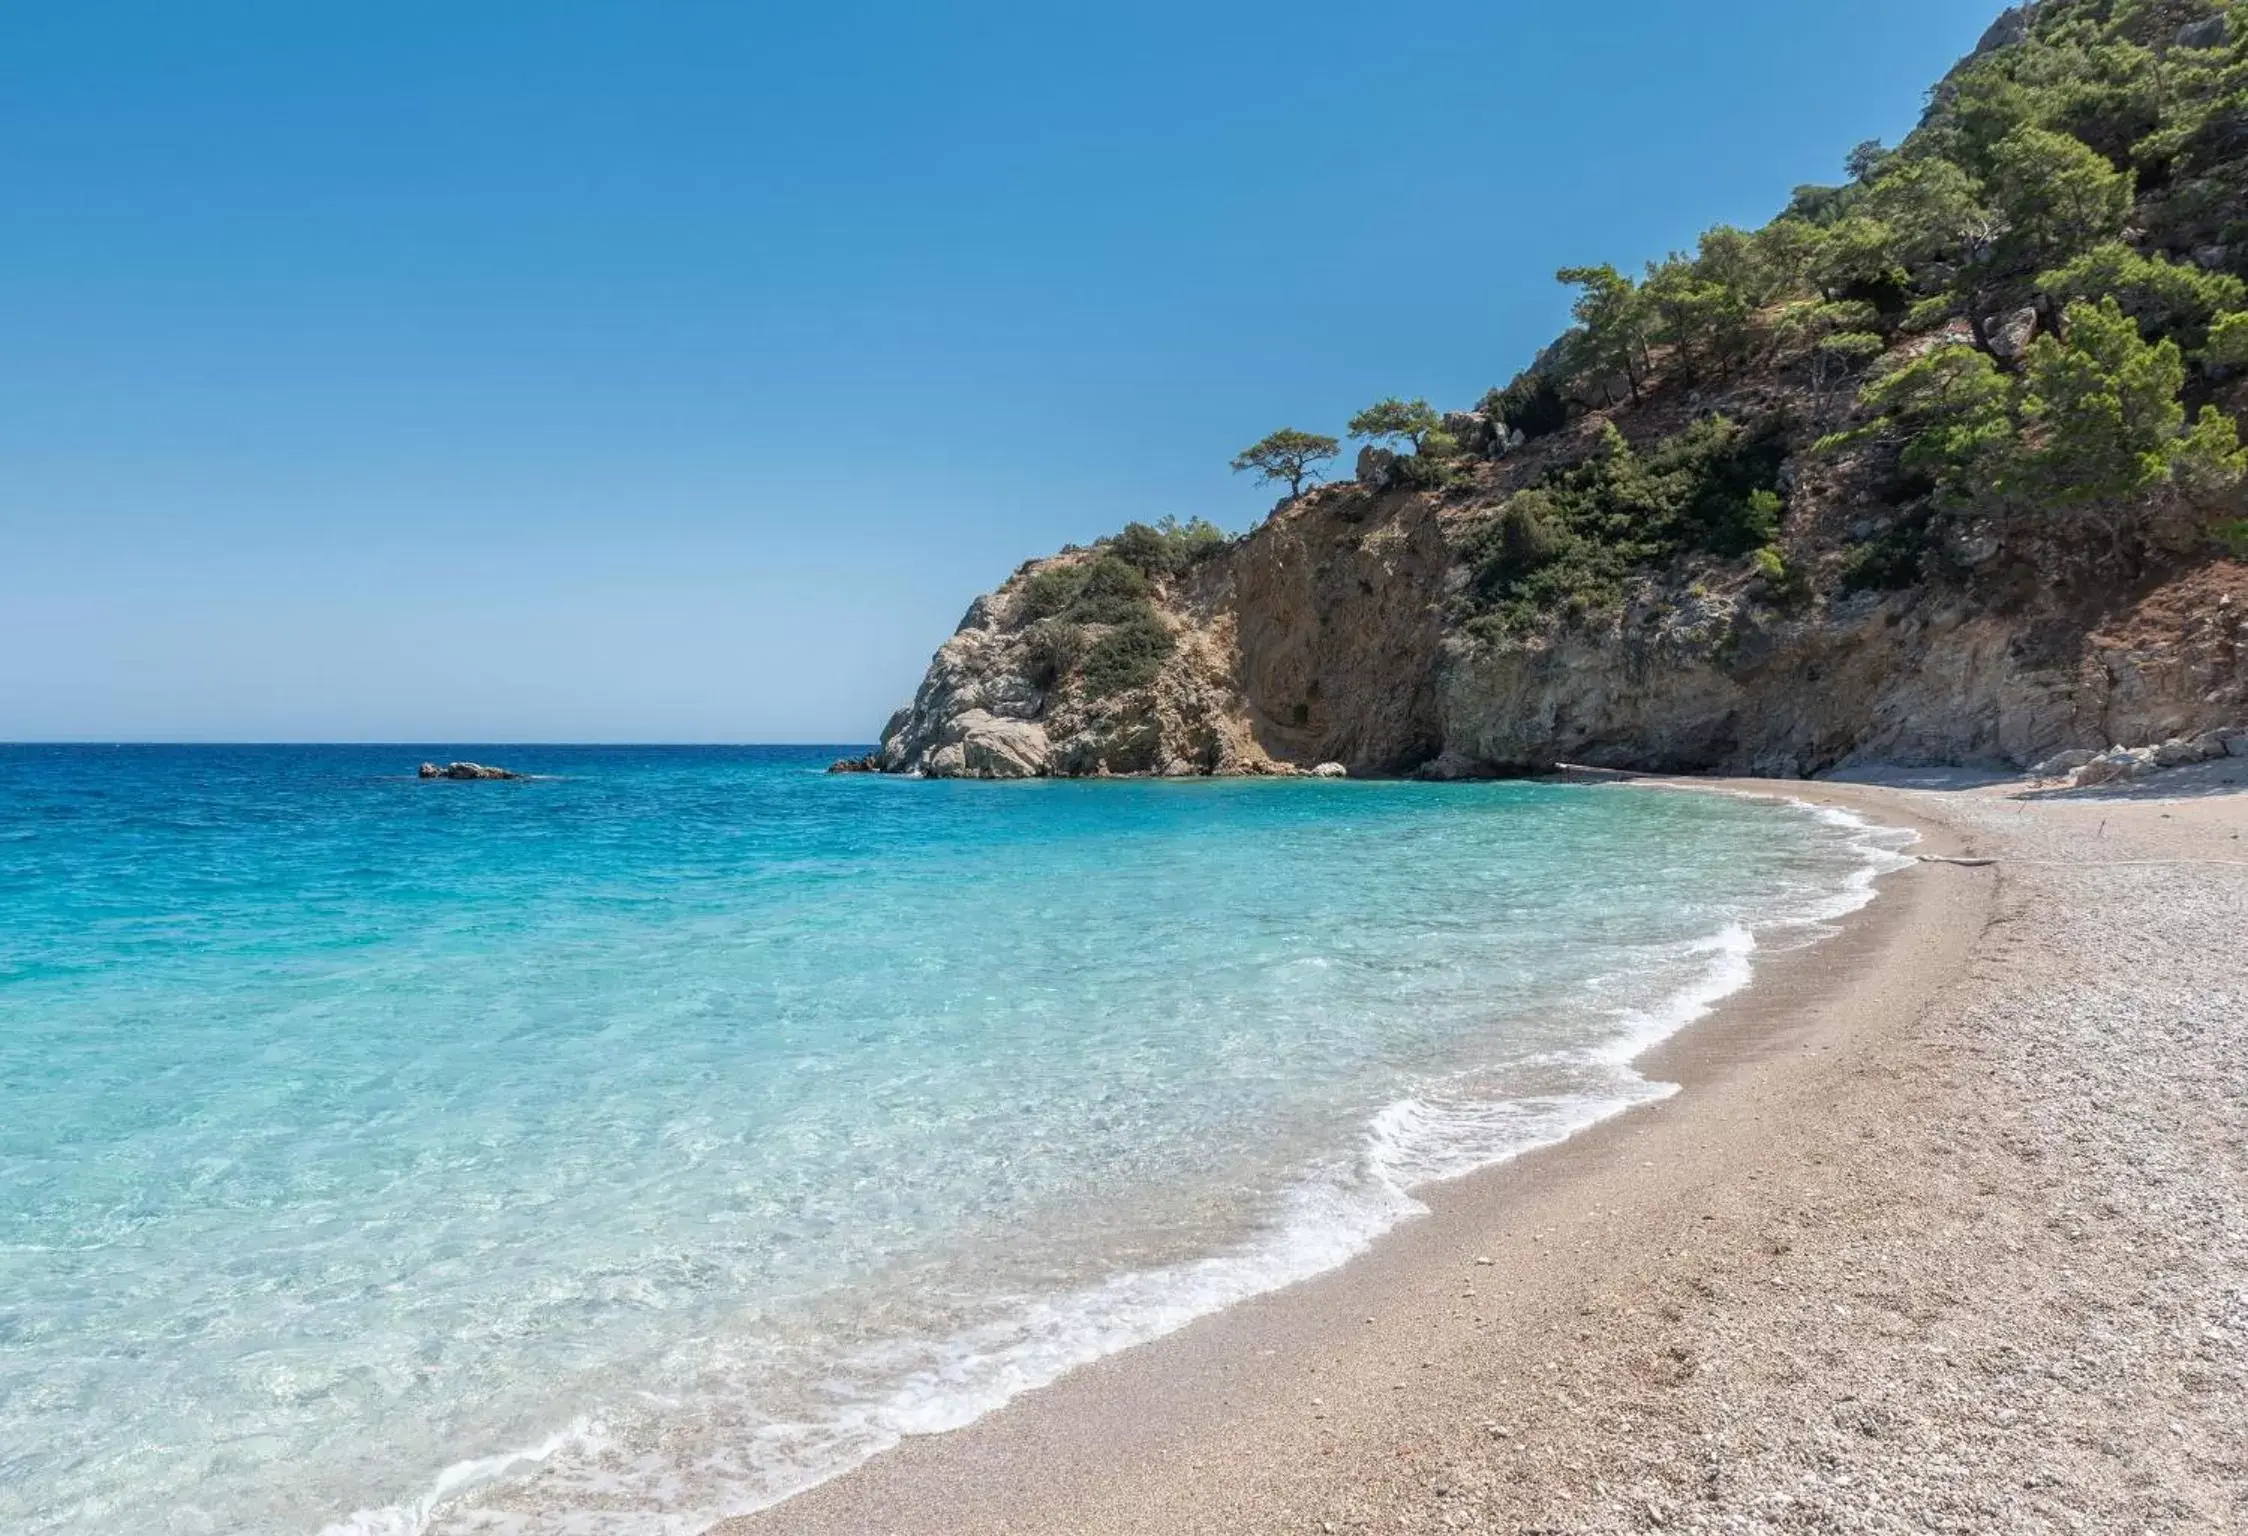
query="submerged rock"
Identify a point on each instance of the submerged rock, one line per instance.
(468, 771)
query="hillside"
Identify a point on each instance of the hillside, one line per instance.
(1941, 465)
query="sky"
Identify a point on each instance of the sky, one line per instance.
(679, 370)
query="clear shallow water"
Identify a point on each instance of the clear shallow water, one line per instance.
(618, 1150)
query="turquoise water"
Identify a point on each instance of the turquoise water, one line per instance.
(632, 1146)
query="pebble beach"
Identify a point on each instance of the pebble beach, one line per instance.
(1946, 1233)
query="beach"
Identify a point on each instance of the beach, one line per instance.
(1945, 1232)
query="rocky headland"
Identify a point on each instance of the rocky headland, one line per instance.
(1929, 470)
(1334, 633)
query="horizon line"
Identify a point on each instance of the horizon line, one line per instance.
(371, 741)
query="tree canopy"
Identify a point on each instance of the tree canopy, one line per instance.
(1395, 420)
(1288, 455)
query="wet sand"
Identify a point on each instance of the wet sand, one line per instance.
(1947, 1231)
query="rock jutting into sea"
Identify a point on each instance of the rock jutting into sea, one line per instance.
(468, 771)
(1335, 633)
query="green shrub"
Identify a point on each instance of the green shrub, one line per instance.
(1127, 657)
(1930, 314)
(1111, 592)
(2228, 341)
(1051, 647)
(1785, 584)
(1430, 470)
(1528, 534)
(1168, 547)
(1715, 486)
(1894, 561)
(1050, 591)
(1104, 590)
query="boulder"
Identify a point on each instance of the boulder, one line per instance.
(2011, 335)
(467, 771)
(2235, 739)
(2175, 754)
(1330, 771)
(994, 748)
(2117, 767)
(2205, 34)
(871, 763)
(1477, 434)
(1377, 468)
(2062, 764)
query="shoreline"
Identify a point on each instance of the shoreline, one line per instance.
(1392, 1194)
(1100, 1449)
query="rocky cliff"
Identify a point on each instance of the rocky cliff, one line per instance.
(1338, 631)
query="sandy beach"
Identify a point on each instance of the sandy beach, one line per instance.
(1947, 1232)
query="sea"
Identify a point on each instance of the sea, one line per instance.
(646, 1140)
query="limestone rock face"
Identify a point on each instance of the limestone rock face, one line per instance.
(995, 704)
(2010, 28)
(989, 747)
(1341, 633)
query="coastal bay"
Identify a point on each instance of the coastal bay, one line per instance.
(662, 1132)
(1944, 1234)
(1579, 865)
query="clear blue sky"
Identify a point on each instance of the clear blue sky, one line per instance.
(679, 371)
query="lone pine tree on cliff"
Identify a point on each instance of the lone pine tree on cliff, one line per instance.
(1288, 455)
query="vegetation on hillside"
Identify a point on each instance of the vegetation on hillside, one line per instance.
(2032, 315)
(1097, 619)
(1568, 543)
(2034, 301)
(2033, 308)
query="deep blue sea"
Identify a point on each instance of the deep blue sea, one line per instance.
(634, 1145)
